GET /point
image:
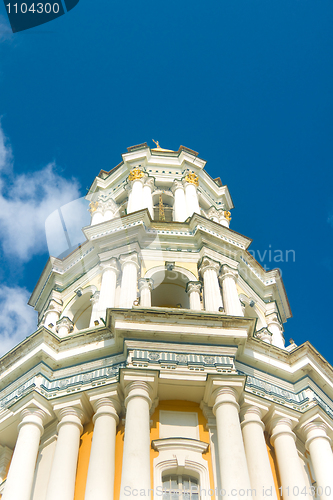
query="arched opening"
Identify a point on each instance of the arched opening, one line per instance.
(80, 308)
(170, 292)
(166, 197)
(251, 311)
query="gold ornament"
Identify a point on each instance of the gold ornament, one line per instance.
(93, 206)
(227, 215)
(157, 144)
(161, 214)
(135, 174)
(192, 178)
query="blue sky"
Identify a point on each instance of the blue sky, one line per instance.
(246, 83)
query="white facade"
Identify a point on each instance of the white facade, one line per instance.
(159, 357)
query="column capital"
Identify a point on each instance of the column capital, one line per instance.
(193, 286)
(225, 395)
(314, 424)
(110, 265)
(213, 212)
(223, 387)
(273, 319)
(281, 421)
(315, 430)
(54, 305)
(136, 174)
(136, 384)
(146, 283)
(106, 403)
(228, 272)
(150, 182)
(139, 388)
(265, 335)
(72, 410)
(177, 184)
(129, 258)
(253, 409)
(207, 263)
(33, 415)
(191, 178)
(64, 322)
(251, 414)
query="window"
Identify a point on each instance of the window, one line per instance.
(180, 487)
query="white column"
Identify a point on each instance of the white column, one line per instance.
(318, 444)
(213, 214)
(289, 464)
(147, 192)
(145, 288)
(63, 470)
(135, 197)
(232, 305)
(128, 293)
(191, 195)
(64, 326)
(259, 467)
(234, 473)
(94, 299)
(179, 206)
(22, 468)
(209, 270)
(110, 272)
(193, 289)
(52, 314)
(96, 211)
(100, 478)
(136, 456)
(274, 326)
(225, 218)
(110, 210)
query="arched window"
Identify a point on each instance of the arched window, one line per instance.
(171, 290)
(79, 308)
(180, 487)
(163, 205)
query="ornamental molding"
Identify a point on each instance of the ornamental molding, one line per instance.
(301, 401)
(55, 388)
(186, 444)
(142, 358)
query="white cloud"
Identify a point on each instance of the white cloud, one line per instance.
(17, 319)
(26, 200)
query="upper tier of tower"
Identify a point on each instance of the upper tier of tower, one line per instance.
(159, 238)
(172, 185)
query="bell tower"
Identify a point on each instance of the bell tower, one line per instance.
(159, 365)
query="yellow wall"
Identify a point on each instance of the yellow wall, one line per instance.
(119, 459)
(83, 461)
(273, 462)
(187, 406)
(86, 438)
